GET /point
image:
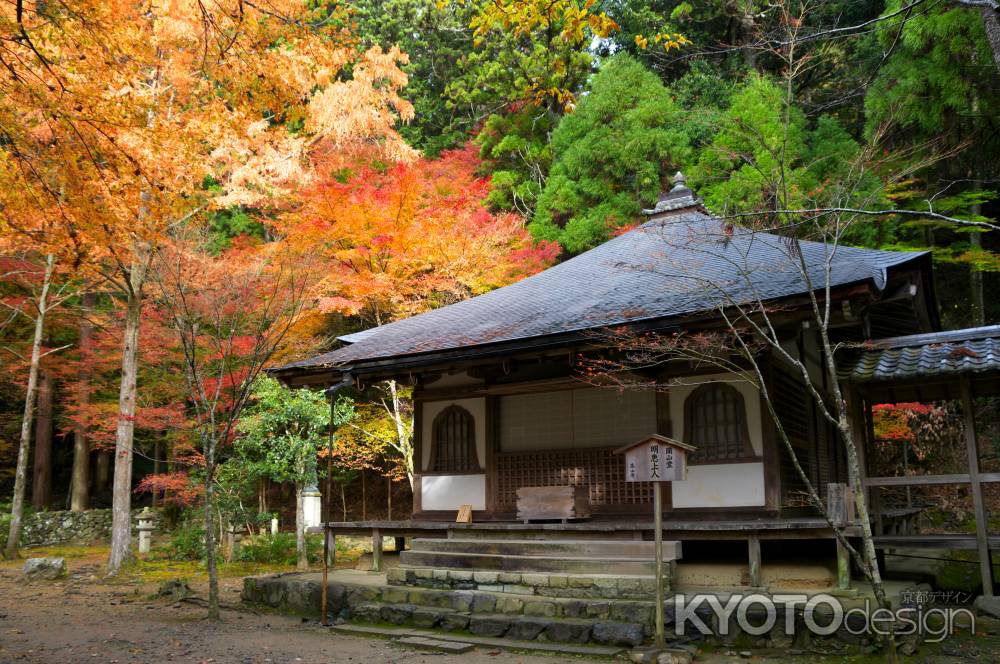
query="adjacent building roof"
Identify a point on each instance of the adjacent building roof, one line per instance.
(680, 263)
(969, 351)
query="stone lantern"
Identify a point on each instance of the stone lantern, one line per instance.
(311, 506)
(234, 534)
(147, 518)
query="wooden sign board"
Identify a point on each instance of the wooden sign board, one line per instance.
(656, 459)
(464, 514)
(840, 504)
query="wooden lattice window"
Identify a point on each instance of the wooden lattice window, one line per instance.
(715, 421)
(453, 442)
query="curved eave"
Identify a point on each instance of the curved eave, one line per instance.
(401, 364)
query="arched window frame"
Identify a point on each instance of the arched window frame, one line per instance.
(454, 460)
(711, 456)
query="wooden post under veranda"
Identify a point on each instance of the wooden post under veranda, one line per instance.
(329, 538)
(661, 641)
(978, 504)
(326, 521)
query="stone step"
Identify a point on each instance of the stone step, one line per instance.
(572, 548)
(585, 597)
(512, 563)
(505, 625)
(600, 586)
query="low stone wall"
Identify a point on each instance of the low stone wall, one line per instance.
(60, 527)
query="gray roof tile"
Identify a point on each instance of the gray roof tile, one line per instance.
(677, 264)
(972, 350)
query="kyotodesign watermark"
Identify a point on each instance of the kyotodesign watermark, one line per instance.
(821, 614)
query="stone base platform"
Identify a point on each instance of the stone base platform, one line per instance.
(365, 597)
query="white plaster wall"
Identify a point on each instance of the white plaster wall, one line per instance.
(450, 492)
(751, 401)
(476, 408)
(721, 485)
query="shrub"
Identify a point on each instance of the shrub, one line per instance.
(279, 549)
(186, 543)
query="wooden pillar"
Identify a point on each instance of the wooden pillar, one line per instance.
(490, 462)
(862, 430)
(843, 567)
(978, 504)
(753, 549)
(658, 538)
(329, 548)
(376, 550)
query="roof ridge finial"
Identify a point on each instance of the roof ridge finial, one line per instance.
(679, 196)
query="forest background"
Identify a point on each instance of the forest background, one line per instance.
(371, 159)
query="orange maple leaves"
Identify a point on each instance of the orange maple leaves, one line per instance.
(410, 237)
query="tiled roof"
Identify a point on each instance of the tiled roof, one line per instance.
(971, 350)
(680, 263)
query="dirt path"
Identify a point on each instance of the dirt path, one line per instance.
(84, 619)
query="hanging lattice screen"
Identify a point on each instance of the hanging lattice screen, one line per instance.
(601, 471)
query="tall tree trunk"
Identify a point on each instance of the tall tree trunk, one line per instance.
(976, 284)
(41, 485)
(24, 446)
(404, 437)
(170, 468)
(121, 522)
(976, 275)
(79, 486)
(300, 528)
(157, 451)
(102, 471)
(991, 25)
(210, 557)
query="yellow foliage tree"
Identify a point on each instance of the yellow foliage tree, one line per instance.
(116, 113)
